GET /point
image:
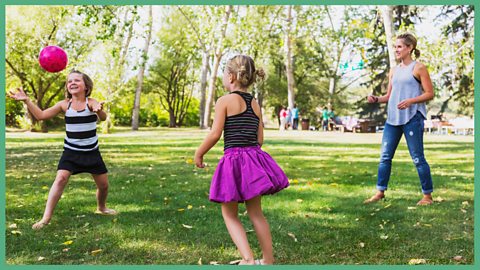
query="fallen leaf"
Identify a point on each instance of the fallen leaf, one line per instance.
(189, 207)
(388, 205)
(189, 161)
(334, 185)
(465, 203)
(16, 232)
(12, 226)
(299, 200)
(362, 245)
(214, 263)
(384, 236)
(69, 242)
(412, 208)
(41, 258)
(65, 249)
(45, 187)
(180, 209)
(235, 262)
(438, 199)
(187, 226)
(292, 236)
(96, 251)
(199, 261)
(417, 261)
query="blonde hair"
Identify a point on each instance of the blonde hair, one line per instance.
(410, 40)
(244, 68)
(86, 80)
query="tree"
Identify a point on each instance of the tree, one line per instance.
(141, 71)
(172, 76)
(288, 57)
(114, 27)
(28, 30)
(216, 63)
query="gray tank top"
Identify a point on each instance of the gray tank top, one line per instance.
(404, 86)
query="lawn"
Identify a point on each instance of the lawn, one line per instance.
(166, 218)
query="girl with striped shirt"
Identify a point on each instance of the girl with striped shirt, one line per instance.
(81, 153)
(245, 172)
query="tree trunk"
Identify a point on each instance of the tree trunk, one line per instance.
(288, 58)
(173, 119)
(387, 15)
(141, 72)
(216, 62)
(203, 87)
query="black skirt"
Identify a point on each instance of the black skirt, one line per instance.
(79, 162)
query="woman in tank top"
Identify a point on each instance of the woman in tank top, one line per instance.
(409, 88)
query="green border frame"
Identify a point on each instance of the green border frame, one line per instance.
(4, 3)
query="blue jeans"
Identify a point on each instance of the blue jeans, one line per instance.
(413, 131)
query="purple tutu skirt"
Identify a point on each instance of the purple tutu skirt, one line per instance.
(244, 173)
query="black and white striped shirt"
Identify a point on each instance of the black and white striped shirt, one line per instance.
(81, 129)
(241, 130)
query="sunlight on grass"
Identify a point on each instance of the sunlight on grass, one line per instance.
(157, 190)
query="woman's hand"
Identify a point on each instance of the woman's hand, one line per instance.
(372, 99)
(404, 104)
(18, 95)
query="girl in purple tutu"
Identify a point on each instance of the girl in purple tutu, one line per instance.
(245, 172)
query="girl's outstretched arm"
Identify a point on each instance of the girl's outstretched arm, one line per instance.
(38, 113)
(215, 133)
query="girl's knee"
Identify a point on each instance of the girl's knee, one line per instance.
(62, 179)
(103, 186)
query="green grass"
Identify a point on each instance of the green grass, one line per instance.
(152, 177)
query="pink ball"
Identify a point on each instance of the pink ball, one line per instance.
(53, 59)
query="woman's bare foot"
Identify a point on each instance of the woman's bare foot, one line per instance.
(375, 198)
(40, 224)
(426, 200)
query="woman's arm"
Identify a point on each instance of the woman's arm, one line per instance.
(214, 134)
(384, 98)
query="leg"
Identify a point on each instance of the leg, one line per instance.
(262, 229)
(101, 180)
(391, 138)
(54, 195)
(237, 232)
(413, 131)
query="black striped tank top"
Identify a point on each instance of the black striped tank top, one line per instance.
(241, 129)
(81, 129)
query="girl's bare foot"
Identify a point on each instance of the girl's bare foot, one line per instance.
(247, 262)
(106, 212)
(40, 224)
